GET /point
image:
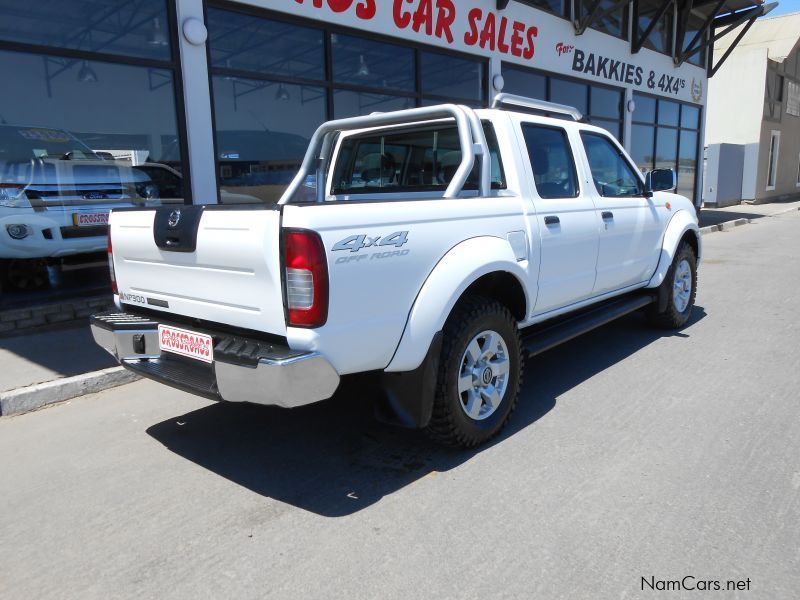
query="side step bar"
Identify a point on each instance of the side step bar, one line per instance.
(548, 336)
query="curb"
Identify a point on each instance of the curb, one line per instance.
(728, 225)
(725, 226)
(21, 400)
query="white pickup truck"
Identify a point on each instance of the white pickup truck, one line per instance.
(434, 249)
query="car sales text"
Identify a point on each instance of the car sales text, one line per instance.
(437, 17)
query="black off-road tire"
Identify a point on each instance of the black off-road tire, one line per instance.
(450, 424)
(671, 317)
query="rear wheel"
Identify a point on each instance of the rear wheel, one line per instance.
(479, 374)
(680, 288)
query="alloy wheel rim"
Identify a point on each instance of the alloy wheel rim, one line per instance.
(682, 285)
(483, 376)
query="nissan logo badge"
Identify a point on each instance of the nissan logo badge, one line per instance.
(174, 218)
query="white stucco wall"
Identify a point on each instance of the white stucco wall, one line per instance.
(742, 78)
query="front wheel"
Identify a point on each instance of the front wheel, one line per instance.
(480, 372)
(680, 289)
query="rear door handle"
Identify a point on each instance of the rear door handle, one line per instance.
(607, 214)
(551, 220)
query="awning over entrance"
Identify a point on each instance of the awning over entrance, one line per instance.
(712, 19)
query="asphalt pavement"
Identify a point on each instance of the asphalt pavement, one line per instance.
(633, 454)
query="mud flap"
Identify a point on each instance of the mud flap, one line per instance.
(663, 297)
(406, 399)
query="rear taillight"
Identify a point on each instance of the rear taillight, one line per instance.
(111, 266)
(306, 278)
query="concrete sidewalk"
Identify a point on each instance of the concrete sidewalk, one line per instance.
(47, 355)
(40, 368)
(716, 216)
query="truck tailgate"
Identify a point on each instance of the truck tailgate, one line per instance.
(229, 273)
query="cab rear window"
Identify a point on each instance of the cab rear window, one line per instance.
(422, 159)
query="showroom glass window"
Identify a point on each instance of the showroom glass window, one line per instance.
(665, 135)
(88, 119)
(694, 23)
(660, 37)
(557, 7)
(601, 104)
(275, 81)
(609, 17)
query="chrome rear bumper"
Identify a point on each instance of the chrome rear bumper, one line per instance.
(244, 370)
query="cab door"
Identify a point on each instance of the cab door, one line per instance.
(565, 214)
(631, 224)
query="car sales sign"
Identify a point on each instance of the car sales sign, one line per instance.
(519, 34)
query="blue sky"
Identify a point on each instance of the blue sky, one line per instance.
(784, 6)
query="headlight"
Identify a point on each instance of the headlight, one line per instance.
(13, 196)
(19, 232)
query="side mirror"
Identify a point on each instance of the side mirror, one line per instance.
(660, 180)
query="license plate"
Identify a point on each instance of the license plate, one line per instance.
(86, 219)
(186, 343)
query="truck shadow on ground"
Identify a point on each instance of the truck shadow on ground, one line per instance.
(713, 217)
(334, 459)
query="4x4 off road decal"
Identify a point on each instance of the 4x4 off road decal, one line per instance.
(354, 243)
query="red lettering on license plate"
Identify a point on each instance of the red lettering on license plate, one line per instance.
(186, 343)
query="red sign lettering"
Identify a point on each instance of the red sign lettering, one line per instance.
(484, 33)
(562, 48)
(436, 18)
(365, 9)
(438, 24)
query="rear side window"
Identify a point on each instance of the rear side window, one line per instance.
(551, 161)
(613, 175)
(422, 159)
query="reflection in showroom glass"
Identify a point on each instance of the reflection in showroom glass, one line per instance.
(90, 136)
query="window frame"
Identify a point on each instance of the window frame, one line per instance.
(372, 195)
(670, 15)
(793, 97)
(564, 14)
(772, 159)
(797, 183)
(625, 29)
(633, 169)
(173, 65)
(678, 129)
(571, 155)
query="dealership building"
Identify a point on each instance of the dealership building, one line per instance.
(214, 101)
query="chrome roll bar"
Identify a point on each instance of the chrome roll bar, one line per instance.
(470, 137)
